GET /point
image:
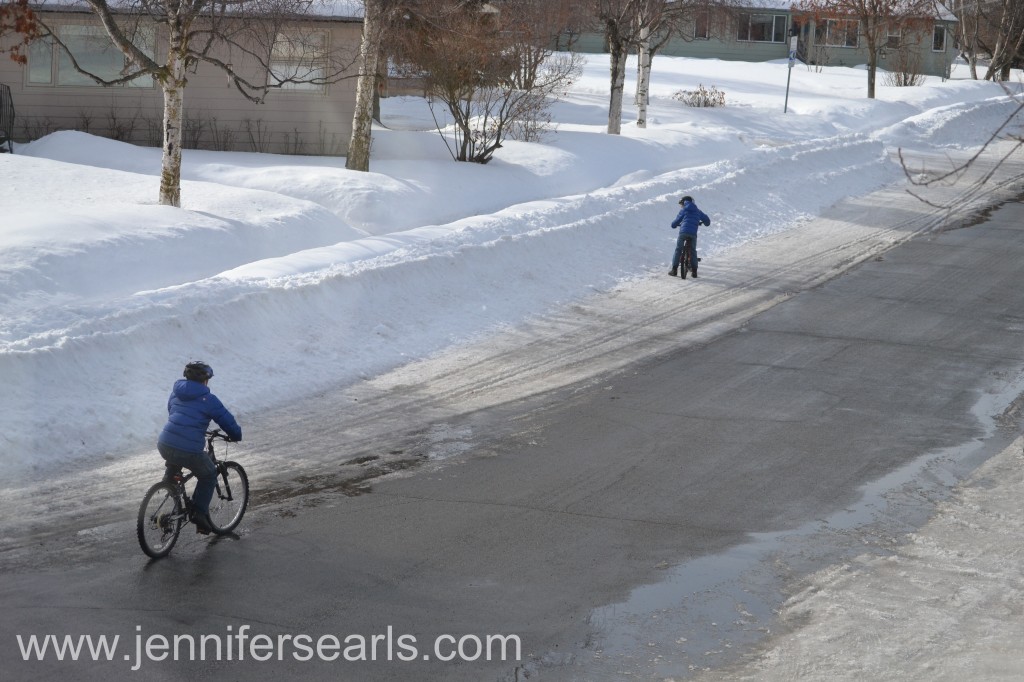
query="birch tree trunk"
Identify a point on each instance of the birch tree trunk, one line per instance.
(362, 119)
(643, 83)
(173, 83)
(968, 27)
(998, 53)
(617, 54)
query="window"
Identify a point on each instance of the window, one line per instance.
(939, 39)
(763, 28)
(841, 33)
(702, 26)
(892, 39)
(299, 62)
(40, 62)
(49, 64)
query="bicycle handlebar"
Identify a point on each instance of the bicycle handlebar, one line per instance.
(215, 433)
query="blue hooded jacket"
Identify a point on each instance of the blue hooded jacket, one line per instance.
(691, 218)
(190, 409)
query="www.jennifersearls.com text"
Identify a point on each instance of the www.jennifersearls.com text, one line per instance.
(243, 644)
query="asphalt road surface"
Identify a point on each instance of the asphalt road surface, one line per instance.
(638, 511)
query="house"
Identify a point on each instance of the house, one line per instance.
(299, 118)
(761, 30)
(922, 45)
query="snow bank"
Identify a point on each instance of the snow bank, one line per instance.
(291, 274)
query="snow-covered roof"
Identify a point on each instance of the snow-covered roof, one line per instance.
(323, 9)
(940, 11)
(944, 13)
(342, 9)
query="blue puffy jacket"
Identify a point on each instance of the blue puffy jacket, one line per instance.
(190, 409)
(691, 218)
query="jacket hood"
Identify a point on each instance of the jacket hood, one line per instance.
(189, 390)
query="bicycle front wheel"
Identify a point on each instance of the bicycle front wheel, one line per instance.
(160, 519)
(230, 498)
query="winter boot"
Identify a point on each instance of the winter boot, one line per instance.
(203, 523)
(673, 272)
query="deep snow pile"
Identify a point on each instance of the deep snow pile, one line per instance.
(290, 274)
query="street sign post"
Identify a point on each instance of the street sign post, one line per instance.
(789, 73)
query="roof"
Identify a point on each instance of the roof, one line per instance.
(940, 10)
(319, 9)
(339, 9)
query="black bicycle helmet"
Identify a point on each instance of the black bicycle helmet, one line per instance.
(685, 199)
(198, 371)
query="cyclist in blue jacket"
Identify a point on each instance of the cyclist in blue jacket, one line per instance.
(690, 218)
(190, 409)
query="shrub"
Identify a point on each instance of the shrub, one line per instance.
(903, 79)
(701, 97)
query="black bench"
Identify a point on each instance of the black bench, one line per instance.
(6, 119)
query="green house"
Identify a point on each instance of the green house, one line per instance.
(764, 31)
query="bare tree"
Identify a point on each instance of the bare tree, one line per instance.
(537, 26)
(376, 14)
(259, 44)
(905, 64)
(653, 35)
(358, 157)
(623, 22)
(957, 170)
(18, 27)
(574, 19)
(873, 21)
(968, 37)
(486, 63)
(683, 20)
(1006, 18)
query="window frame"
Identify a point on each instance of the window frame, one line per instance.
(295, 61)
(702, 25)
(745, 28)
(893, 37)
(845, 44)
(936, 31)
(46, 55)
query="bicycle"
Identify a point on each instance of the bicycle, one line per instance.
(685, 259)
(167, 505)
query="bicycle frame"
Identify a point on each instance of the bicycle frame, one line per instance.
(181, 478)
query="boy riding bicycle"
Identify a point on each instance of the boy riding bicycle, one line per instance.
(190, 408)
(691, 218)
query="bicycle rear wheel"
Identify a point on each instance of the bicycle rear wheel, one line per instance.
(230, 498)
(160, 519)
